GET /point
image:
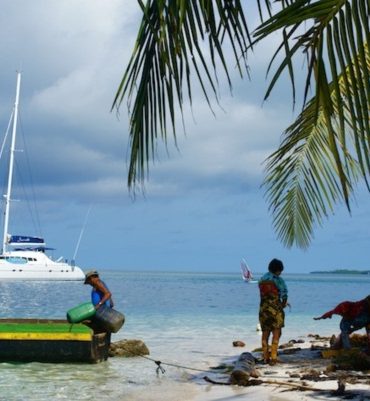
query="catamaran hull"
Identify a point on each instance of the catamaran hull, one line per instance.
(10, 276)
(37, 266)
(41, 273)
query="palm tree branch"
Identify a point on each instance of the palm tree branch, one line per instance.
(302, 179)
(167, 51)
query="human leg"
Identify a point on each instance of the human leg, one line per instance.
(265, 345)
(276, 334)
(345, 331)
(348, 326)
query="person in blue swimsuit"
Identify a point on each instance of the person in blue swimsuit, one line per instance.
(100, 294)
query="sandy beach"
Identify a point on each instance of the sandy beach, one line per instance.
(302, 374)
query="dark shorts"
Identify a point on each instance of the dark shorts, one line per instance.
(359, 322)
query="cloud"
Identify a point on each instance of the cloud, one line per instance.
(222, 152)
(202, 206)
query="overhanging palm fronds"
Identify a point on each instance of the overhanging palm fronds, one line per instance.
(168, 49)
(324, 152)
(302, 183)
(335, 44)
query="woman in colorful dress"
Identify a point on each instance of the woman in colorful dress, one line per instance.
(274, 298)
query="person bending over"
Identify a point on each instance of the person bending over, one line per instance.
(355, 316)
(100, 294)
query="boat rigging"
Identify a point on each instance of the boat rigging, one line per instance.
(24, 257)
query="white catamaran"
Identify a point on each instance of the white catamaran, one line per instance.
(24, 257)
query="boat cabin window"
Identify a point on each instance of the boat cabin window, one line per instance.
(14, 259)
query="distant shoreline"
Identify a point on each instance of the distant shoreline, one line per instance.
(341, 271)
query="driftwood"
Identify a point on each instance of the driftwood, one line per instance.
(243, 371)
(245, 368)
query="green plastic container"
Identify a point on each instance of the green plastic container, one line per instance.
(81, 312)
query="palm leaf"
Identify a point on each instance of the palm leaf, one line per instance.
(334, 38)
(302, 182)
(169, 48)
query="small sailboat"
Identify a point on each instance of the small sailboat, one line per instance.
(246, 272)
(24, 257)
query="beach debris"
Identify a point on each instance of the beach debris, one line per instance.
(353, 359)
(244, 372)
(224, 367)
(341, 387)
(293, 341)
(358, 340)
(244, 369)
(238, 343)
(128, 348)
(315, 347)
(317, 337)
(314, 375)
(304, 370)
(291, 344)
(289, 351)
(213, 381)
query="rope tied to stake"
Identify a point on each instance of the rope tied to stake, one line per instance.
(159, 368)
(159, 364)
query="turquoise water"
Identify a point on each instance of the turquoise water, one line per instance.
(185, 319)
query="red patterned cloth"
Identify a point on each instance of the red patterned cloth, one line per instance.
(349, 310)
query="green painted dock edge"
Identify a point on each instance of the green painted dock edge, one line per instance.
(44, 329)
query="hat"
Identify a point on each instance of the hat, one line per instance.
(90, 274)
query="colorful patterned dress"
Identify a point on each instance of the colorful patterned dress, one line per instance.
(274, 295)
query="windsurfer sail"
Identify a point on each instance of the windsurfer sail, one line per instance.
(246, 272)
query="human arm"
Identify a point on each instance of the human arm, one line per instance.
(326, 315)
(283, 292)
(343, 309)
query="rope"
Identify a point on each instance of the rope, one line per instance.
(160, 368)
(160, 363)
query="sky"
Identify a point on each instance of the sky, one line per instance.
(202, 208)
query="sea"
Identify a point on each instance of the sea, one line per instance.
(187, 320)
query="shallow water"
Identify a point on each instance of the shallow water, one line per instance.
(185, 319)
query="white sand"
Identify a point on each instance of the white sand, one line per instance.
(288, 377)
(280, 382)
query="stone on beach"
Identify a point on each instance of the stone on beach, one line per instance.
(128, 348)
(238, 343)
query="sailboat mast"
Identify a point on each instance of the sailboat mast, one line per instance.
(11, 164)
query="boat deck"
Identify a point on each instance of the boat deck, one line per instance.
(45, 340)
(40, 329)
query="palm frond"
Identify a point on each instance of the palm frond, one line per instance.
(334, 38)
(302, 181)
(169, 48)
